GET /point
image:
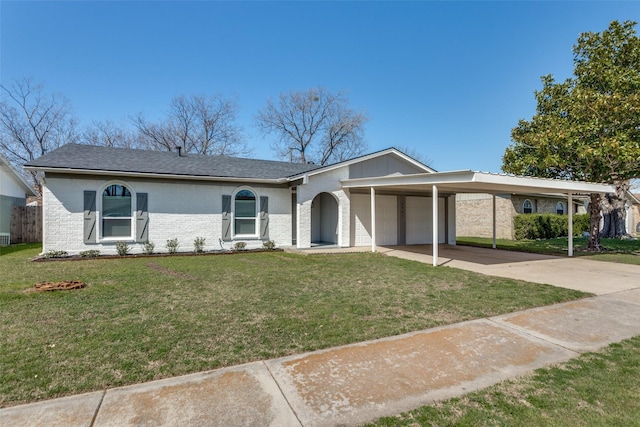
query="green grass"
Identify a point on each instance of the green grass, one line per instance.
(141, 319)
(595, 389)
(623, 251)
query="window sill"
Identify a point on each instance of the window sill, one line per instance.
(246, 237)
(128, 239)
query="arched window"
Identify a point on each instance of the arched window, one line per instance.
(560, 208)
(116, 212)
(527, 207)
(245, 213)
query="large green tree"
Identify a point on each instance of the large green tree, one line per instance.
(588, 127)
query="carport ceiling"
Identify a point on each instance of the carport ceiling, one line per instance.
(474, 182)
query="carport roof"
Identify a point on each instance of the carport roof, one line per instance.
(467, 181)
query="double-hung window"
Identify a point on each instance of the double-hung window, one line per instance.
(245, 213)
(116, 212)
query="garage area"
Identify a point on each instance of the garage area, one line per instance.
(399, 219)
(420, 208)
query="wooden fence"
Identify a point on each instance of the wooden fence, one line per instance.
(26, 224)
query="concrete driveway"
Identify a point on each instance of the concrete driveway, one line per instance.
(597, 277)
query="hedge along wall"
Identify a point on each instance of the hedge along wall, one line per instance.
(548, 226)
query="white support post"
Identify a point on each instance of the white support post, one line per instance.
(570, 225)
(435, 226)
(494, 221)
(373, 219)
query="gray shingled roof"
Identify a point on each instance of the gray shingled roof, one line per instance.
(95, 158)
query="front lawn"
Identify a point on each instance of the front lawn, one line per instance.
(616, 250)
(595, 389)
(141, 319)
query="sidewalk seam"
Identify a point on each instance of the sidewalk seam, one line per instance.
(284, 396)
(531, 334)
(95, 414)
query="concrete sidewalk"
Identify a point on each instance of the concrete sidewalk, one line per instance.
(357, 383)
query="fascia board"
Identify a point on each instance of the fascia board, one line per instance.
(435, 178)
(158, 175)
(542, 184)
(470, 181)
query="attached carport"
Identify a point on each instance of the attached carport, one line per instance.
(444, 184)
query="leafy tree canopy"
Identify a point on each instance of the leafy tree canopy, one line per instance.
(587, 127)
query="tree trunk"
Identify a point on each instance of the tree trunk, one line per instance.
(594, 226)
(614, 212)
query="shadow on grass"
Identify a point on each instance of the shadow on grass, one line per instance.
(557, 246)
(6, 250)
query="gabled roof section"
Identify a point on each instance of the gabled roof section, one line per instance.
(8, 168)
(77, 158)
(392, 151)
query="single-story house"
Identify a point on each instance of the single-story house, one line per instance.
(95, 196)
(14, 191)
(473, 211)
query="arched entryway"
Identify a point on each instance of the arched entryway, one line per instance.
(324, 220)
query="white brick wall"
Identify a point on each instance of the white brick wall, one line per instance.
(328, 182)
(183, 210)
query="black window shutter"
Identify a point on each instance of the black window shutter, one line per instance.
(264, 218)
(142, 217)
(226, 218)
(90, 217)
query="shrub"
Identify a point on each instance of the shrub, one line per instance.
(172, 245)
(581, 223)
(148, 247)
(239, 246)
(269, 245)
(547, 226)
(122, 248)
(91, 253)
(54, 254)
(198, 245)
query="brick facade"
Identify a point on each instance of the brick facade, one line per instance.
(474, 216)
(177, 209)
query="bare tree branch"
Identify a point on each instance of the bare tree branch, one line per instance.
(109, 134)
(33, 122)
(200, 124)
(313, 126)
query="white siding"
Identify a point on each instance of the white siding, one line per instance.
(9, 184)
(420, 220)
(386, 219)
(361, 219)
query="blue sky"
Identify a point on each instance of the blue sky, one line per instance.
(448, 79)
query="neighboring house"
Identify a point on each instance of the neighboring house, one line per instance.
(633, 214)
(14, 191)
(96, 196)
(473, 211)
